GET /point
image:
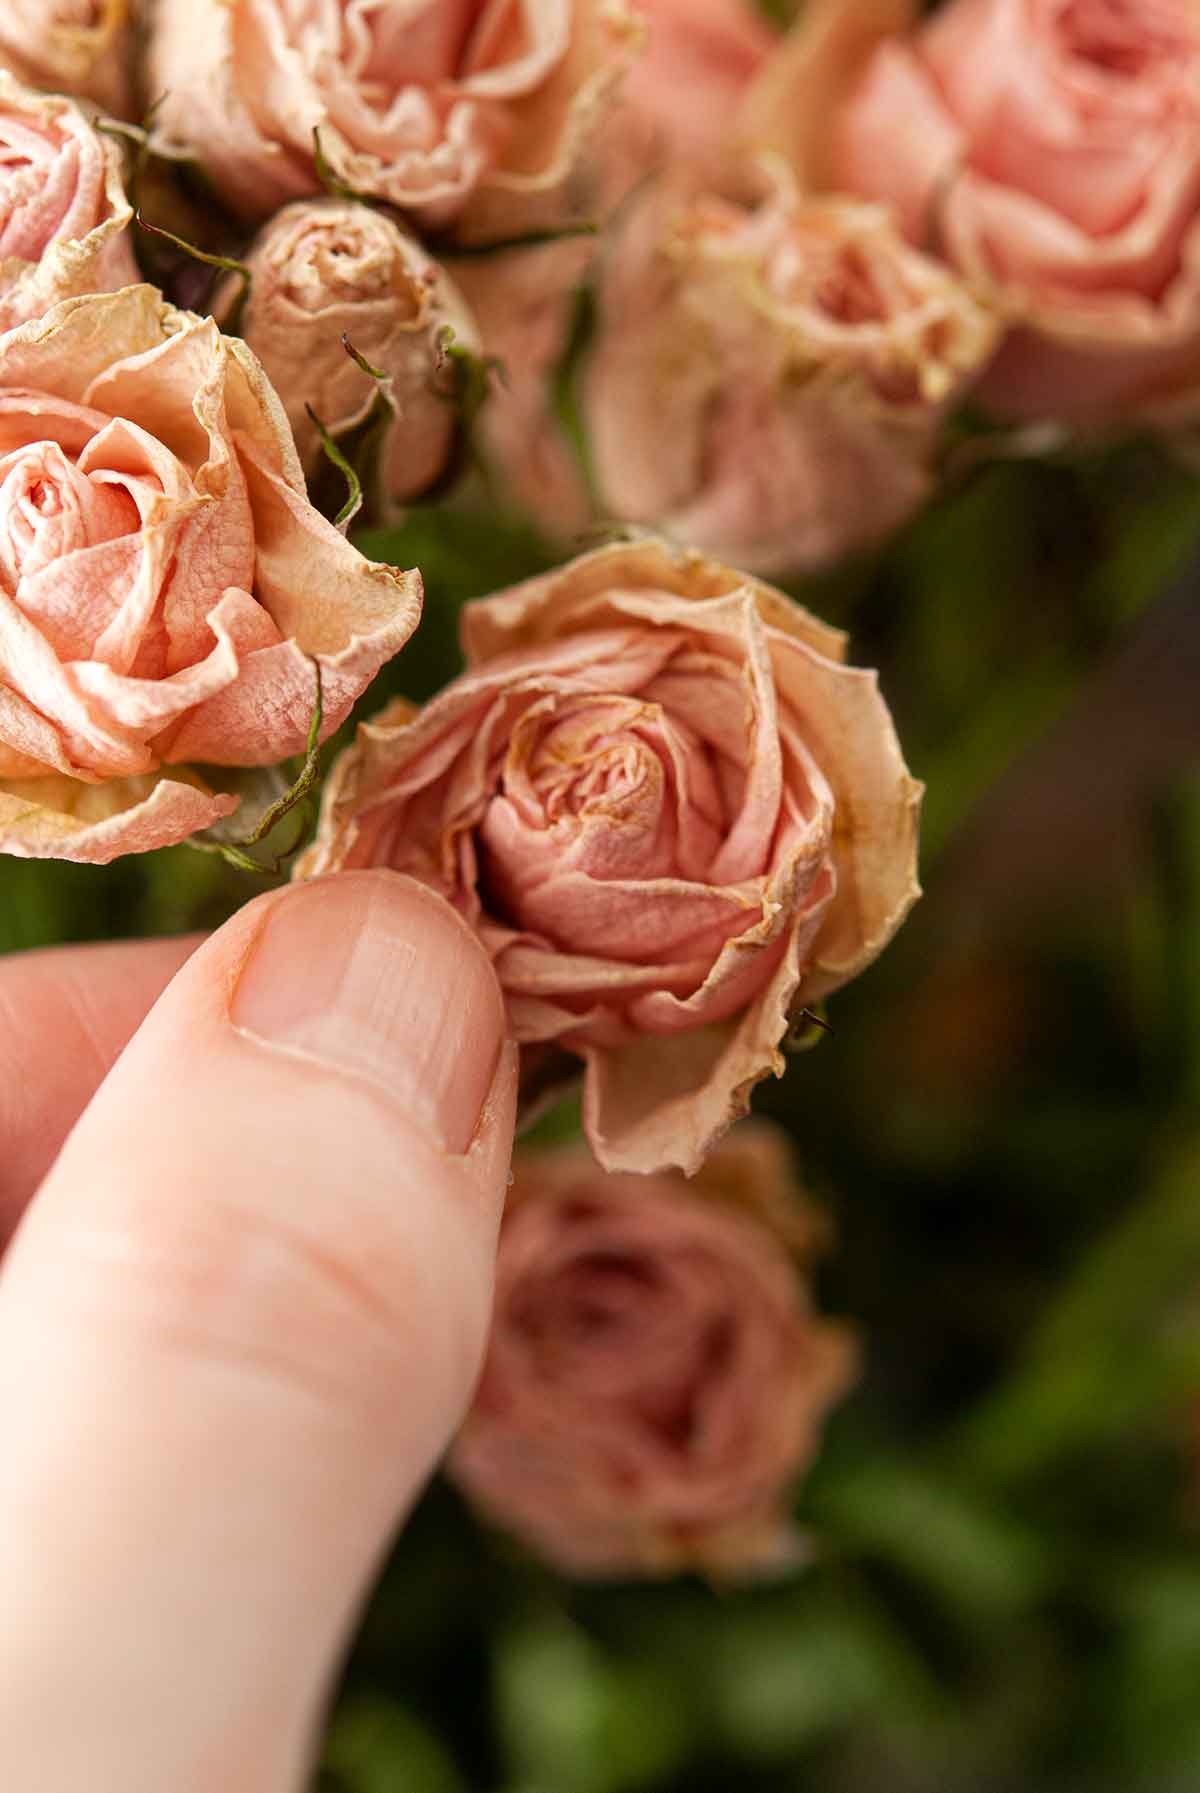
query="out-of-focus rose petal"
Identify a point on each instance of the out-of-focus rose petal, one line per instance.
(769, 379)
(656, 1377)
(80, 47)
(64, 217)
(1052, 155)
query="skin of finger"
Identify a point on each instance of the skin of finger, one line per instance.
(225, 1370)
(65, 1014)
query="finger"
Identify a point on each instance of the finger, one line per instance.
(64, 1017)
(238, 1325)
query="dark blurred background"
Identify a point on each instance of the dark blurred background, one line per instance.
(1004, 1587)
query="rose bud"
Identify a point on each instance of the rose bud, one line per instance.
(64, 216)
(769, 381)
(167, 593)
(656, 1377)
(1050, 153)
(80, 47)
(672, 815)
(327, 269)
(458, 112)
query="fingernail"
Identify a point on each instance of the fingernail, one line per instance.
(374, 977)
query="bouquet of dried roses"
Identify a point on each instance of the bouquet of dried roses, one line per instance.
(575, 322)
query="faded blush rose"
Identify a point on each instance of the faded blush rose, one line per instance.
(656, 1377)
(165, 586)
(1049, 150)
(64, 217)
(327, 269)
(770, 379)
(80, 47)
(475, 114)
(670, 812)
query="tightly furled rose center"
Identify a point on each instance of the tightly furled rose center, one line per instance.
(77, 490)
(598, 781)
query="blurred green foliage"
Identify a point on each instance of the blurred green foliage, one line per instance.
(1004, 1587)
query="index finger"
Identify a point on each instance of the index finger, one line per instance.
(65, 1016)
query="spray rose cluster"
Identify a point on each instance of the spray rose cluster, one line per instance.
(661, 264)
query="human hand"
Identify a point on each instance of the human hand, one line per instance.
(239, 1321)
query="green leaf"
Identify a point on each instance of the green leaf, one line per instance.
(377, 1746)
(576, 1720)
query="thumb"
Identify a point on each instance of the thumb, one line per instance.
(238, 1326)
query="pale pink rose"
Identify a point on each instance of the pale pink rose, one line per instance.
(64, 217)
(770, 380)
(327, 269)
(165, 586)
(672, 815)
(475, 114)
(656, 1378)
(524, 302)
(1049, 150)
(81, 47)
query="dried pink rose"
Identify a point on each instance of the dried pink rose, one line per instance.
(165, 586)
(656, 1377)
(64, 217)
(468, 113)
(671, 814)
(80, 47)
(1050, 151)
(770, 380)
(327, 269)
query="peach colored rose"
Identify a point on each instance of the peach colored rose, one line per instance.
(81, 47)
(1049, 150)
(672, 815)
(656, 1377)
(769, 380)
(471, 113)
(324, 269)
(64, 216)
(165, 586)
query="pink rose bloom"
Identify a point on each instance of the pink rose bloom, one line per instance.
(64, 216)
(81, 47)
(472, 113)
(672, 815)
(1050, 150)
(165, 586)
(656, 1377)
(327, 268)
(769, 381)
